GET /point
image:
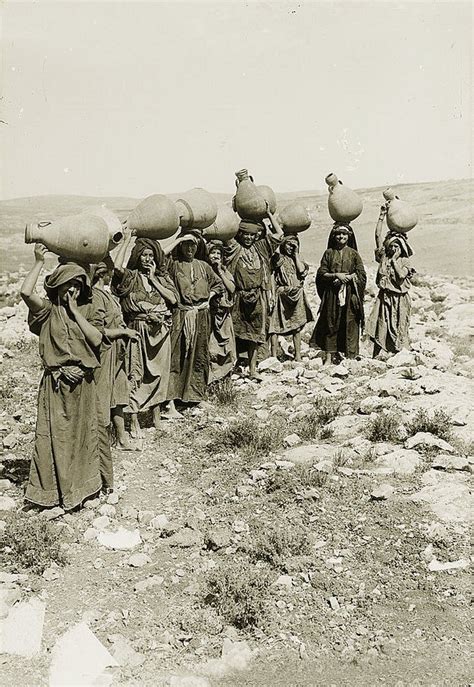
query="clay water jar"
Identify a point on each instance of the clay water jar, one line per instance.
(344, 204)
(155, 217)
(197, 209)
(82, 238)
(401, 217)
(248, 202)
(110, 218)
(268, 195)
(294, 218)
(225, 226)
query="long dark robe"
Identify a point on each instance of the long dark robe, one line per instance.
(148, 360)
(292, 310)
(69, 447)
(223, 355)
(111, 376)
(338, 325)
(250, 268)
(190, 359)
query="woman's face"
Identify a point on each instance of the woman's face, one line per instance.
(188, 250)
(146, 260)
(392, 249)
(71, 288)
(288, 248)
(341, 238)
(215, 256)
(246, 238)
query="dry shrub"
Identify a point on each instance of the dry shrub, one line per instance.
(273, 544)
(252, 437)
(30, 544)
(223, 392)
(437, 423)
(239, 592)
(384, 427)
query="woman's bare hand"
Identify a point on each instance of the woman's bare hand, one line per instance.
(40, 252)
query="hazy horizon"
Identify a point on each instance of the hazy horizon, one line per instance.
(129, 99)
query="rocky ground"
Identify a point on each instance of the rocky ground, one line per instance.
(310, 529)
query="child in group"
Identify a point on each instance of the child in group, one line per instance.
(389, 322)
(222, 349)
(291, 311)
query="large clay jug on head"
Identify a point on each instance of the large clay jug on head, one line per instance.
(401, 217)
(248, 202)
(268, 195)
(110, 218)
(344, 204)
(225, 226)
(155, 217)
(294, 218)
(84, 238)
(196, 209)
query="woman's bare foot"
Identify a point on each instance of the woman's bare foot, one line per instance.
(170, 413)
(135, 429)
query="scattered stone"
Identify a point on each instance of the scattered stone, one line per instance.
(284, 581)
(240, 526)
(400, 462)
(270, 365)
(439, 566)
(101, 523)
(92, 503)
(123, 651)
(78, 658)
(338, 371)
(9, 595)
(371, 404)
(138, 560)
(218, 538)
(51, 573)
(443, 462)
(21, 631)
(10, 441)
(291, 440)
(108, 510)
(7, 503)
(428, 439)
(262, 414)
(148, 583)
(309, 454)
(53, 513)
(90, 534)
(403, 358)
(186, 538)
(121, 540)
(145, 516)
(113, 498)
(5, 484)
(431, 386)
(382, 492)
(159, 522)
(334, 603)
(448, 495)
(284, 464)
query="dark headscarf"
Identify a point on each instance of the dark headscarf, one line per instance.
(401, 241)
(192, 235)
(159, 257)
(65, 273)
(251, 226)
(352, 243)
(213, 244)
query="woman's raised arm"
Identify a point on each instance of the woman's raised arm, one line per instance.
(27, 291)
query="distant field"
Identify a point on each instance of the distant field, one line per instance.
(442, 241)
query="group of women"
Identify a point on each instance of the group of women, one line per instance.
(154, 327)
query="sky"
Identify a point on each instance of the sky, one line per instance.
(131, 98)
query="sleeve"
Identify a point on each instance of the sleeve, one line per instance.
(215, 282)
(122, 282)
(323, 269)
(267, 245)
(97, 311)
(360, 273)
(167, 282)
(378, 254)
(407, 270)
(231, 249)
(37, 319)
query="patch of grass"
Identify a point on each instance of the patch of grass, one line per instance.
(341, 458)
(286, 485)
(250, 436)
(384, 427)
(273, 544)
(239, 592)
(223, 392)
(437, 423)
(313, 423)
(410, 373)
(30, 544)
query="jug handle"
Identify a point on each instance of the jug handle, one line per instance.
(44, 224)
